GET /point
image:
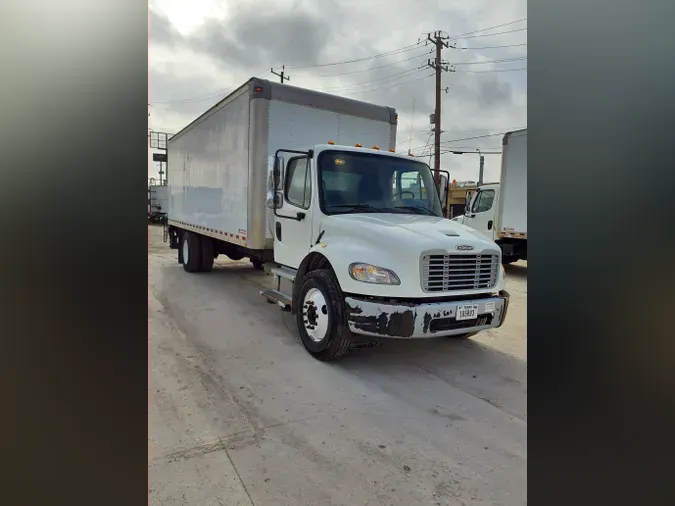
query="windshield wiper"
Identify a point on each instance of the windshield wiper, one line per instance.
(360, 206)
(415, 208)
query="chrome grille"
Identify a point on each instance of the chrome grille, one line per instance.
(444, 273)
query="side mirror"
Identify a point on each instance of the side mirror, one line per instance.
(443, 189)
(275, 200)
(278, 172)
(467, 203)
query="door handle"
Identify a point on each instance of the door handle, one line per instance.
(300, 216)
(490, 225)
(278, 229)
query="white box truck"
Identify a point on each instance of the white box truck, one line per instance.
(499, 210)
(309, 183)
(158, 202)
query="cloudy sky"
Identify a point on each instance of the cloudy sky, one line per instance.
(201, 50)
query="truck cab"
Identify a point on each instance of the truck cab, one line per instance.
(362, 248)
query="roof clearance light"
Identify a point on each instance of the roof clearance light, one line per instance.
(410, 154)
(376, 147)
(358, 145)
(392, 151)
(258, 89)
(331, 143)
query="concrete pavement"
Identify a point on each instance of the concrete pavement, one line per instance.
(241, 414)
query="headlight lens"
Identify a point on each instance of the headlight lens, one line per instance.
(372, 274)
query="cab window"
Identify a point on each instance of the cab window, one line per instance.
(484, 201)
(297, 182)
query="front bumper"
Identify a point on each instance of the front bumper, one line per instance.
(412, 321)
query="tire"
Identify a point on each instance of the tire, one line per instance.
(257, 263)
(206, 254)
(322, 305)
(191, 248)
(509, 260)
(180, 248)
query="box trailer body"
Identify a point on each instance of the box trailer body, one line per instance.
(499, 210)
(512, 209)
(309, 185)
(219, 165)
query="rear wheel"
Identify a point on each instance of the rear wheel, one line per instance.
(191, 249)
(257, 263)
(321, 318)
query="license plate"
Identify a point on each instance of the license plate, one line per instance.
(467, 312)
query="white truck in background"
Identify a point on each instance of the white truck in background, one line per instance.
(354, 235)
(158, 201)
(499, 210)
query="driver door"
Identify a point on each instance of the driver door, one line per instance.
(293, 220)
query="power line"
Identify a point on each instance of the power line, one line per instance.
(375, 68)
(483, 136)
(355, 86)
(477, 137)
(496, 33)
(489, 28)
(517, 58)
(380, 55)
(493, 47)
(385, 87)
(489, 71)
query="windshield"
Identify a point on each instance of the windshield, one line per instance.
(368, 183)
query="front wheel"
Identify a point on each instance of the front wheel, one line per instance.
(321, 317)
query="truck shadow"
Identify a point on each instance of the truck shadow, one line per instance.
(497, 378)
(399, 366)
(517, 270)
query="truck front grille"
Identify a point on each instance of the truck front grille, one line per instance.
(446, 273)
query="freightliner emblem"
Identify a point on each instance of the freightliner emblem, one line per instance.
(464, 247)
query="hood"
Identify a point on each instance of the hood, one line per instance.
(396, 230)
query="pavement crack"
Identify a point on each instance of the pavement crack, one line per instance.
(237, 439)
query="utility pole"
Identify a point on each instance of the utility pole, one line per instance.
(281, 75)
(412, 124)
(438, 65)
(480, 168)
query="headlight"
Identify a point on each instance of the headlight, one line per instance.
(373, 274)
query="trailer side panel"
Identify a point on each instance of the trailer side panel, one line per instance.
(513, 191)
(208, 170)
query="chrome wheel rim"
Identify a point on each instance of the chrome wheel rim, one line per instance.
(186, 251)
(315, 315)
